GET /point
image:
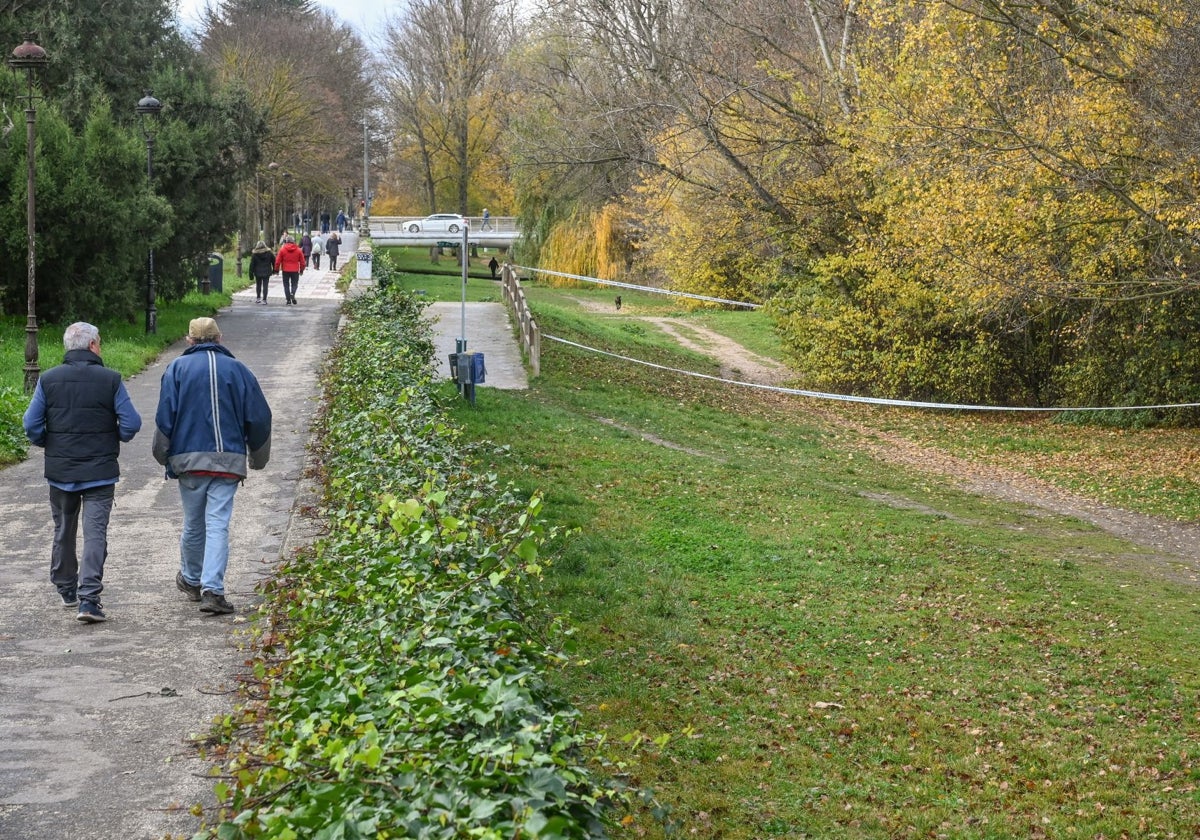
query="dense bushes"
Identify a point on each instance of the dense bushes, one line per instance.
(402, 671)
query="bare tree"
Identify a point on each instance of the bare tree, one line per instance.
(439, 58)
(306, 71)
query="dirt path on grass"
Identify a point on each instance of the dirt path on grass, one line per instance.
(736, 361)
(1175, 546)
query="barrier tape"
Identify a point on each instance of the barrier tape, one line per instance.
(650, 289)
(821, 395)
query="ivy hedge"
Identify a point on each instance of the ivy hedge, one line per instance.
(402, 657)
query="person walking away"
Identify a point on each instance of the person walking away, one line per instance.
(290, 262)
(324, 223)
(341, 221)
(333, 244)
(317, 247)
(494, 266)
(81, 414)
(306, 247)
(212, 423)
(262, 266)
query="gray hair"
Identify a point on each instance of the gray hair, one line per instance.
(79, 336)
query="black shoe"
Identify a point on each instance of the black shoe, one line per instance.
(90, 613)
(69, 598)
(192, 590)
(215, 603)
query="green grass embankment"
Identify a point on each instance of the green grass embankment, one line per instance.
(838, 647)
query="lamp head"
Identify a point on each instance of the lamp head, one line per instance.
(148, 106)
(28, 56)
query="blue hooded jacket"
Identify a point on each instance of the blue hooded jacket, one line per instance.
(212, 415)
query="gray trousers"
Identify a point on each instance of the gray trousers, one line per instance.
(67, 573)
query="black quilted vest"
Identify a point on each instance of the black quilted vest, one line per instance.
(82, 443)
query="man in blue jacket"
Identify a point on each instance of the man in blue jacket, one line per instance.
(212, 423)
(81, 414)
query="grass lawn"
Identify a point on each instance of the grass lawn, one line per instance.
(784, 638)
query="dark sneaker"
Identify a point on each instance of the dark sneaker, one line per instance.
(192, 590)
(90, 613)
(69, 598)
(215, 603)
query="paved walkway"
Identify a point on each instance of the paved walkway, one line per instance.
(489, 331)
(488, 328)
(96, 720)
(314, 284)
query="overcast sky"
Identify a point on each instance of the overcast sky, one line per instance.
(364, 15)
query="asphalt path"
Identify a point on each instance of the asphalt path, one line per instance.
(97, 721)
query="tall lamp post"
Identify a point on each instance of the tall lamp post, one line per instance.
(148, 108)
(289, 217)
(274, 240)
(29, 57)
(365, 233)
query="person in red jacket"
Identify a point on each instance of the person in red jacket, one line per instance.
(290, 262)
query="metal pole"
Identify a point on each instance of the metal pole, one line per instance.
(462, 341)
(365, 233)
(151, 292)
(262, 233)
(32, 371)
(148, 108)
(28, 56)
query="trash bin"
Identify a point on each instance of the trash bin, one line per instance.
(478, 371)
(454, 367)
(364, 265)
(216, 272)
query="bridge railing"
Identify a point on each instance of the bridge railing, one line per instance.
(495, 224)
(531, 336)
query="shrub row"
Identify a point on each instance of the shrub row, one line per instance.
(401, 665)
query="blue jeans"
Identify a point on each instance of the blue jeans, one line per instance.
(204, 543)
(67, 573)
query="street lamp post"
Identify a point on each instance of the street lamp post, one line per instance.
(147, 108)
(29, 57)
(365, 233)
(274, 240)
(287, 189)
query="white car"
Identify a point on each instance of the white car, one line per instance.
(437, 223)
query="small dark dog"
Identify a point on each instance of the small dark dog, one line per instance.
(618, 303)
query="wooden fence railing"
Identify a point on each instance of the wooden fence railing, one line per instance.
(531, 337)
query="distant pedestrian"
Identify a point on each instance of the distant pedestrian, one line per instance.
(317, 248)
(333, 244)
(81, 414)
(290, 261)
(324, 223)
(487, 224)
(262, 266)
(618, 302)
(341, 221)
(494, 266)
(307, 222)
(211, 424)
(306, 247)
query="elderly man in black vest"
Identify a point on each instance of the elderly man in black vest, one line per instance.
(81, 414)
